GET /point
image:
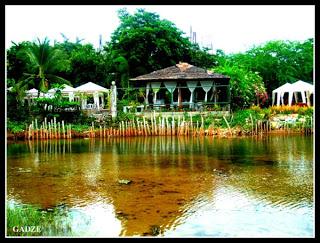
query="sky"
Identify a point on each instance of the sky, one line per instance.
(233, 29)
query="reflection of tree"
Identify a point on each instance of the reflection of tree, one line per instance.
(169, 174)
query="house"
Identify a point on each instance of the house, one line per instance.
(184, 85)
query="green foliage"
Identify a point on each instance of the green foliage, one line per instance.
(244, 84)
(42, 63)
(15, 127)
(52, 223)
(242, 118)
(277, 62)
(16, 110)
(122, 116)
(88, 65)
(81, 127)
(63, 109)
(149, 43)
(16, 66)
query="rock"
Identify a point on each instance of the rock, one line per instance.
(24, 170)
(154, 230)
(124, 181)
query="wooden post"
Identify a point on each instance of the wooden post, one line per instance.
(173, 130)
(251, 124)
(228, 125)
(36, 127)
(63, 131)
(59, 130)
(26, 132)
(55, 127)
(32, 131)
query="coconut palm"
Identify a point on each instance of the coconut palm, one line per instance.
(43, 61)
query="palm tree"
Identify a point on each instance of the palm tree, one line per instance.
(43, 63)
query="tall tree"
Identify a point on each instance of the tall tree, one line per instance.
(149, 43)
(43, 62)
(278, 62)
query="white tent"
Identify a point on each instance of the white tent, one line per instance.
(93, 89)
(302, 87)
(280, 92)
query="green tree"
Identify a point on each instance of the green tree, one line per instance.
(43, 62)
(15, 65)
(87, 65)
(149, 43)
(278, 62)
(245, 85)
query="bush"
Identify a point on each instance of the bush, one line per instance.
(15, 127)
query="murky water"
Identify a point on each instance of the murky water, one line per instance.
(180, 186)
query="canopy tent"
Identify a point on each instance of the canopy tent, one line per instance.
(302, 87)
(280, 92)
(306, 90)
(92, 89)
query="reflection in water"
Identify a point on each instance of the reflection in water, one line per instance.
(186, 186)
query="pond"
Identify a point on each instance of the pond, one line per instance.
(180, 186)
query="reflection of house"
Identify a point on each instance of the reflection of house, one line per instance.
(184, 85)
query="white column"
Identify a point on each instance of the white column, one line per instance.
(155, 87)
(147, 93)
(84, 102)
(191, 86)
(308, 98)
(290, 98)
(282, 94)
(171, 86)
(71, 96)
(96, 100)
(303, 96)
(206, 85)
(295, 96)
(102, 100)
(273, 96)
(113, 99)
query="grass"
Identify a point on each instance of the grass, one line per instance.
(52, 223)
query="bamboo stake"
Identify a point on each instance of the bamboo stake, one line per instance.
(55, 127)
(63, 131)
(49, 129)
(41, 132)
(168, 131)
(173, 131)
(228, 125)
(59, 131)
(251, 124)
(36, 127)
(26, 132)
(32, 129)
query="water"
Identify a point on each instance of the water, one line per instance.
(240, 187)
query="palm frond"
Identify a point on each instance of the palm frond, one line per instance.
(57, 79)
